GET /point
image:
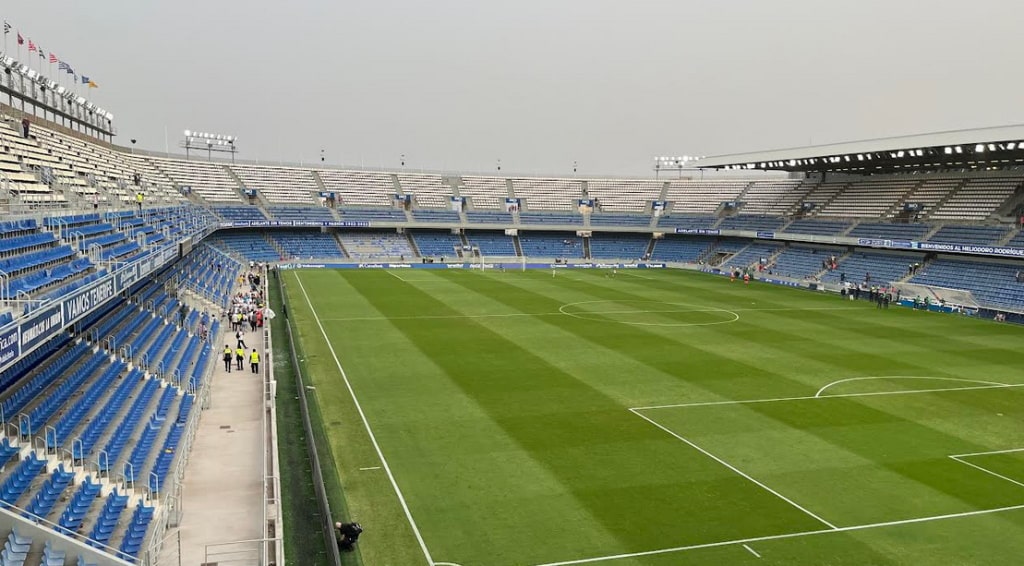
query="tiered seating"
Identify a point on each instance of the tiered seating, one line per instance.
(359, 188)
(689, 221)
(977, 199)
(889, 231)
(441, 215)
(279, 185)
(638, 220)
(376, 245)
(816, 227)
(550, 245)
(108, 518)
(750, 254)
(301, 213)
(623, 196)
(491, 243)
(680, 249)
(208, 180)
(436, 243)
(884, 268)
(240, 213)
(821, 194)
(867, 199)
(799, 262)
(479, 217)
(30, 156)
(773, 198)
(991, 283)
(619, 246)
(702, 197)
(18, 482)
(548, 194)
(428, 191)
(549, 218)
(1017, 241)
(979, 235)
(52, 489)
(310, 244)
(74, 514)
(253, 247)
(131, 544)
(484, 192)
(751, 223)
(368, 214)
(930, 193)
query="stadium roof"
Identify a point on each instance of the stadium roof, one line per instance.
(977, 149)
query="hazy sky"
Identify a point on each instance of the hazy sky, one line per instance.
(458, 84)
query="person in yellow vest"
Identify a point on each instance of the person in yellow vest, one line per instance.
(138, 200)
(239, 357)
(254, 361)
(227, 358)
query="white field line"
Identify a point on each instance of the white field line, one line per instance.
(822, 390)
(368, 469)
(369, 431)
(987, 471)
(737, 471)
(752, 551)
(556, 313)
(395, 275)
(840, 396)
(987, 453)
(785, 536)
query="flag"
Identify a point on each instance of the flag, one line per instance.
(53, 58)
(21, 40)
(7, 27)
(42, 55)
(93, 85)
(31, 46)
(62, 66)
(85, 80)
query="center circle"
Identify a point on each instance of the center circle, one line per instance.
(648, 313)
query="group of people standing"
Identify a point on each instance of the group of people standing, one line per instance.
(246, 314)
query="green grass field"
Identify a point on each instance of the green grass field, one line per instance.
(660, 418)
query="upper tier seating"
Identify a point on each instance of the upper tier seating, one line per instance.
(702, 197)
(548, 194)
(442, 215)
(623, 196)
(359, 188)
(243, 213)
(686, 221)
(211, 181)
(776, 197)
(550, 218)
(603, 219)
(279, 185)
(751, 223)
(369, 214)
(428, 191)
(977, 199)
(499, 217)
(484, 192)
(867, 199)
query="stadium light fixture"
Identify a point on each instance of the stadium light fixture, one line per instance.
(1010, 145)
(980, 148)
(991, 147)
(949, 151)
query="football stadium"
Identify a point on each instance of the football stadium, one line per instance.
(801, 356)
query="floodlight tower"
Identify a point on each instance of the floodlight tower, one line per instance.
(210, 142)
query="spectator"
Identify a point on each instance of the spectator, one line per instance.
(227, 358)
(347, 534)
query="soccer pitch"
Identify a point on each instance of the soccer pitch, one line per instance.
(660, 418)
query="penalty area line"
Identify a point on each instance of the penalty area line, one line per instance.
(752, 551)
(745, 541)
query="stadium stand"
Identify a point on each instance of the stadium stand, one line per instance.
(428, 191)
(484, 192)
(702, 197)
(442, 215)
(618, 246)
(992, 283)
(550, 245)
(488, 217)
(687, 221)
(889, 231)
(296, 244)
(279, 185)
(436, 243)
(240, 213)
(800, 262)
(492, 243)
(249, 245)
(751, 223)
(882, 267)
(681, 249)
(300, 213)
(359, 188)
(867, 199)
(367, 214)
(549, 218)
(977, 199)
(772, 198)
(376, 245)
(980, 235)
(606, 219)
(548, 194)
(623, 196)
(211, 181)
(816, 227)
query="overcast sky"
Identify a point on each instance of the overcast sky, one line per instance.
(538, 84)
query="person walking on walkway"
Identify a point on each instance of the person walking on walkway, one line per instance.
(227, 358)
(239, 357)
(254, 361)
(241, 339)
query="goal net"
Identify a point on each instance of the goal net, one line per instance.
(940, 295)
